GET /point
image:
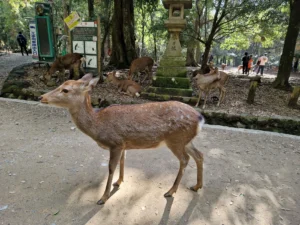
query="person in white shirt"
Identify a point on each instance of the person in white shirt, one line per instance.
(262, 62)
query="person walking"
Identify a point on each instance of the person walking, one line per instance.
(22, 42)
(263, 60)
(250, 63)
(245, 60)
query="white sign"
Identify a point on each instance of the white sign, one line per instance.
(91, 47)
(78, 47)
(87, 24)
(91, 61)
(33, 38)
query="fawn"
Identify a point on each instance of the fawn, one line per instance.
(123, 127)
(140, 64)
(128, 86)
(207, 82)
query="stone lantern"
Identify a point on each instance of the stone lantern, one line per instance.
(170, 81)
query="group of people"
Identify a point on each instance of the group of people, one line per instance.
(259, 66)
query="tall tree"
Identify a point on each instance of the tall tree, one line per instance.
(282, 79)
(220, 18)
(123, 38)
(91, 9)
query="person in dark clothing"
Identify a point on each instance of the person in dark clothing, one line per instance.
(245, 60)
(22, 42)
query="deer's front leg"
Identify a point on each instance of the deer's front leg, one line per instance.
(115, 155)
(121, 177)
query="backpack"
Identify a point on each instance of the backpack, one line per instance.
(21, 39)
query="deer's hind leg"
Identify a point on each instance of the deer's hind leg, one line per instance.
(183, 157)
(198, 157)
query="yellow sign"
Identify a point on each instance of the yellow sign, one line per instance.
(72, 20)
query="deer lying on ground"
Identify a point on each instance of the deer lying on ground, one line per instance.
(128, 86)
(141, 64)
(123, 127)
(210, 81)
(72, 62)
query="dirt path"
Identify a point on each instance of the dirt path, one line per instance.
(9, 61)
(53, 174)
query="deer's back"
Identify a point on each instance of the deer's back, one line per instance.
(141, 63)
(147, 125)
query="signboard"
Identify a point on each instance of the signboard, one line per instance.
(33, 38)
(72, 20)
(84, 41)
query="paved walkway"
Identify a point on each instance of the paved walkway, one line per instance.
(9, 61)
(51, 173)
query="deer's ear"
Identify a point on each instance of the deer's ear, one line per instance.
(87, 78)
(92, 84)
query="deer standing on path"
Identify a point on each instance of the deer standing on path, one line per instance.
(123, 127)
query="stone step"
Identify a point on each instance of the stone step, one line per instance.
(171, 91)
(160, 97)
(171, 82)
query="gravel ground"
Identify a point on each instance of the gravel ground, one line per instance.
(9, 61)
(53, 174)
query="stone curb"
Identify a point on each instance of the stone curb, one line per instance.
(278, 124)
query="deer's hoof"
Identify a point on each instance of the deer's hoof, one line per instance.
(117, 183)
(168, 195)
(194, 188)
(101, 202)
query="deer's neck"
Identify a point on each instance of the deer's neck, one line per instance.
(115, 80)
(85, 118)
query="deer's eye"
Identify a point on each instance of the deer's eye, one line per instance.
(65, 90)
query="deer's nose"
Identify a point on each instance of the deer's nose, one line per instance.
(40, 98)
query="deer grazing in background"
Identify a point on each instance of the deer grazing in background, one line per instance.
(128, 86)
(123, 127)
(210, 81)
(223, 66)
(141, 64)
(72, 62)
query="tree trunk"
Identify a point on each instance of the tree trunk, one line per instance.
(123, 39)
(204, 67)
(198, 54)
(190, 60)
(285, 65)
(143, 30)
(91, 10)
(155, 47)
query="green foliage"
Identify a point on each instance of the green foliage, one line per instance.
(14, 17)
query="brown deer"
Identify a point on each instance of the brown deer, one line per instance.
(71, 61)
(141, 64)
(223, 66)
(128, 86)
(123, 127)
(210, 81)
